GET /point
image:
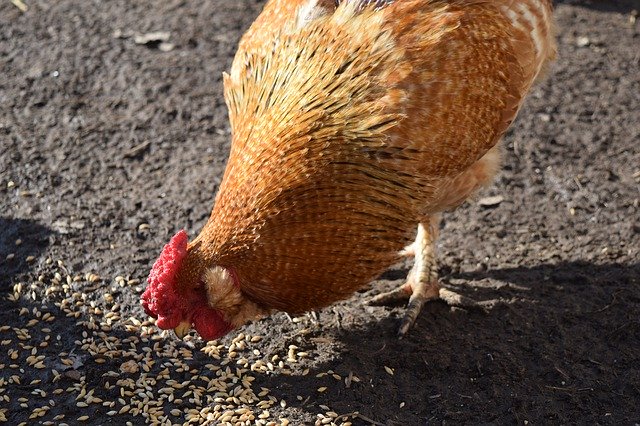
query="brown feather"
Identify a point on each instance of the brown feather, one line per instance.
(348, 129)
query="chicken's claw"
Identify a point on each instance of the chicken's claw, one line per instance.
(413, 309)
(422, 283)
(416, 300)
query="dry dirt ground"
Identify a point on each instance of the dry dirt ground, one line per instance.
(107, 147)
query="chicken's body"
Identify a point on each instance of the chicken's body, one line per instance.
(351, 125)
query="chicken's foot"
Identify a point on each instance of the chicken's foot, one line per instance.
(422, 281)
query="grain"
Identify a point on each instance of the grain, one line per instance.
(150, 376)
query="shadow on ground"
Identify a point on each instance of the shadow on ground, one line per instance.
(534, 337)
(20, 239)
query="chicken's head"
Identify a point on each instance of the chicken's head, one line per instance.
(180, 309)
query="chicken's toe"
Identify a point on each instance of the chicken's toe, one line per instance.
(452, 298)
(393, 297)
(422, 292)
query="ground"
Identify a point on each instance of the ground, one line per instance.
(108, 145)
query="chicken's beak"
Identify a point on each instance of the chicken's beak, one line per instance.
(182, 329)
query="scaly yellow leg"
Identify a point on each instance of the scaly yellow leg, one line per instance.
(422, 281)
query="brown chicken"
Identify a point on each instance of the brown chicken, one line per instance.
(353, 123)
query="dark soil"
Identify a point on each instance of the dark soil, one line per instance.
(100, 135)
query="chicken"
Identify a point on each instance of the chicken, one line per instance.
(353, 123)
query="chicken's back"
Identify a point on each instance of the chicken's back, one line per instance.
(464, 67)
(464, 90)
(347, 121)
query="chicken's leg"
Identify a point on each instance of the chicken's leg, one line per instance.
(422, 282)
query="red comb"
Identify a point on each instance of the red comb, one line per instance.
(160, 297)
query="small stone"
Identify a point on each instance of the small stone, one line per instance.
(491, 201)
(583, 41)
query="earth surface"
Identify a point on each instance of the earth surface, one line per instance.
(110, 143)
